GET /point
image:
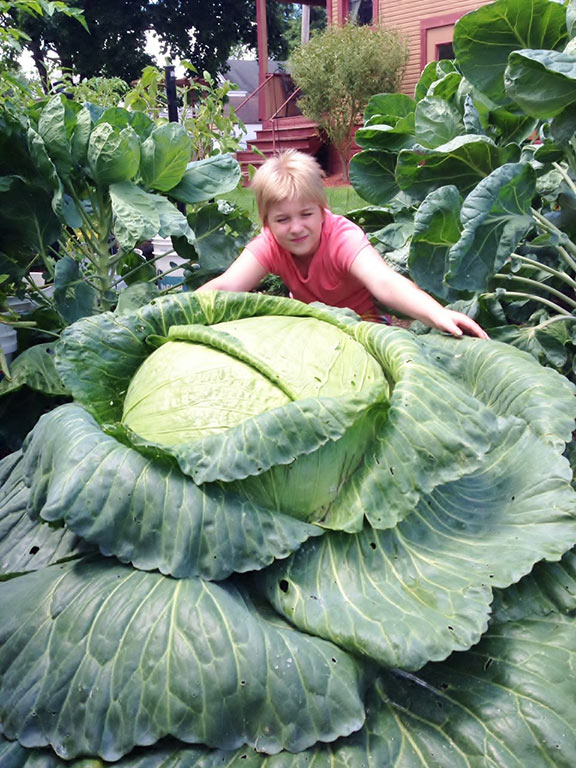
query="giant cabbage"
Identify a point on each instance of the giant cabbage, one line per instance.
(272, 535)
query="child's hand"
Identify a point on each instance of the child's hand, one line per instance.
(457, 323)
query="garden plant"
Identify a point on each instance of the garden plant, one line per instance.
(258, 534)
(339, 70)
(473, 181)
(269, 534)
(81, 186)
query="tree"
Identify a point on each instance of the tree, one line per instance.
(13, 15)
(339, 70)
(292, 34)
(201, 31)
(113, 45)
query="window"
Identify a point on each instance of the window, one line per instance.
(363, 12)
(444, 51)
(436, 38)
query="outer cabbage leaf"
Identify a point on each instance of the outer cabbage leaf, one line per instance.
(495, 217)
(508, 703)
(34, 368)
(373, 175)
(143, 510)
(56, 126)
(511, 383)
(435, 431)
(549, 588)
(140, 215)
(165, 156)
(26, 545)
(422, 590)
(437, 121)
(162, 657)
(436, 228)
(113, 155)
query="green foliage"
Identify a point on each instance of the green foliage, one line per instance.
(114, 41)
(13, 14)
(293, 25)
(102, 91)
(339, 70)
(365, 546)
(204, 109)
(480, 170)
(81, 187)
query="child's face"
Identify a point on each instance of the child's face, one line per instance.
(297, 226)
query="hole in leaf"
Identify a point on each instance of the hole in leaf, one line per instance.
(283, 584)
(372, 545)
(34, 550)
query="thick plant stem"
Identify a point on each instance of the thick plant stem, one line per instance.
(104, 229)
(545, 268)
(554, 320)
(541, 299)
(566, 176)
(568, 248)
(542, 286)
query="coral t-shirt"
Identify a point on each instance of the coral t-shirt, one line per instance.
(329, 279)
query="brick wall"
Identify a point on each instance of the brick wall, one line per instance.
(407, 15)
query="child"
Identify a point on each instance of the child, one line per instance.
(323, 257)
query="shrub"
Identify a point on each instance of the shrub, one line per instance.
(339, 70)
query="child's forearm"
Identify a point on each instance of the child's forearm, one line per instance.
(404, 296)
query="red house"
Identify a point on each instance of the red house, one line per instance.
(427, 24)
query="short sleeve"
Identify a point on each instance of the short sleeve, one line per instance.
(263, 247)
(346, 241)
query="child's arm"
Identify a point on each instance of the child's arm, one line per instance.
(244, 274)
(402, 295)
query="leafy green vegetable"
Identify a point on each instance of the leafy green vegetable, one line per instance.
(348, 540)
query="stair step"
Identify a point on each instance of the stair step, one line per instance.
(287, 133)
(304, 145)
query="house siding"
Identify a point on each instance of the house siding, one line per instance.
(407, 15)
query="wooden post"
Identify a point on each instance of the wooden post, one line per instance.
(305, 32)
(262, 31)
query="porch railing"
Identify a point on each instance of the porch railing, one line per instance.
(270, 87)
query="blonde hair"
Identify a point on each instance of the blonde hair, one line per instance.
(289, 175)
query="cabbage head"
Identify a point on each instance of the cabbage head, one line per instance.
(270, 535)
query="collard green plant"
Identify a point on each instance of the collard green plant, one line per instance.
(269, 534)
(479, 169)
